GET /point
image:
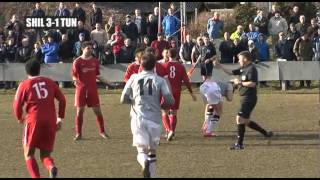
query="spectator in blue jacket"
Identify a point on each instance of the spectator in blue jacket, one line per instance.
(263, 53)
(170, 24)
(215, 26)
(253, 33)
(50, 50)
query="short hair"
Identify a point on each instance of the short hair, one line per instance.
(246, 54)
(149, 50)
(172, 53)
(86, 44)
(32, 67)
(148, 61)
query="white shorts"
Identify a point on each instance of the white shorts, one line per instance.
(145, 133)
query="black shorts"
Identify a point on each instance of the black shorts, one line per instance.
(247, 106)
(206, 69)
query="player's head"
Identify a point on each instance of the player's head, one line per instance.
(149, 50)
(138, 55)
(172, 53)
(87, 48)
(32, 67)
(148, 61)
(244, 58)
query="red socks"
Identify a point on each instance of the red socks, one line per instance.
(173, 122)
(48, 163)
(100, 123)
(33, 168)
(166, 122)
(79, 122)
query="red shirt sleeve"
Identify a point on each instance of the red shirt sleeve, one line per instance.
(62, 100)
(19, 102)
(74, 69)
(128, 73)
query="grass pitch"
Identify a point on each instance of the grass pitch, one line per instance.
(293, 152)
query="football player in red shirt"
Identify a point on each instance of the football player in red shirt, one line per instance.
(37, 94)
(85, 71)
(133, 68)
(176, 75)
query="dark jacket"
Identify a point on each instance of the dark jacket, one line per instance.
(38, 56)
(80, 14)
(66, 51)
(95, 17)
(226, 49)
(23, 54)
(64, 12)
(143, 25)
(126, 54)
(152, 30)
(284, 50)
(38, 13)
(131, 31)
(303, 49)
(11, 53)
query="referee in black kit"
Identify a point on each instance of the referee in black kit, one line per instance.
(248, 92)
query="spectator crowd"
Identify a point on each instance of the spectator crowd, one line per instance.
(293, 39)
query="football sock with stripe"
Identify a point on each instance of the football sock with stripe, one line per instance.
(48, 163)
(152, 164)
(79, 122)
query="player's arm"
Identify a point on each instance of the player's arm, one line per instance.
(219, 66)
(167, 95)
(18, 104)
(186, 81)
(126, 95)
(62, 106)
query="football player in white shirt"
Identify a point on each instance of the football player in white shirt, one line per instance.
(143, 92)
(212, 93)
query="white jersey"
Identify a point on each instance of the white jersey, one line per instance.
(143, 91)
(211, 91)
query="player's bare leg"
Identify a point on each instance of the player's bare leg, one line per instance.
(166, 121)
(31, 162)
(48, 163)
(100, 122)
(79, 122)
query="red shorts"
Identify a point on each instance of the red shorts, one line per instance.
(39, 136)
(87, 97)
(176, 97)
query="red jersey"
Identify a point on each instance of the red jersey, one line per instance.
(133, 68)
(38, 95)
(176, 75)
(158, 69)
(86, 72)
(158, 47)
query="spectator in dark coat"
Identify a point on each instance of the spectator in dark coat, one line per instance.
(313, 28)
(95, 16)
(79, 13)
(226, 48)
(237, 48)
(109, 27)
(62, 11)
(145, 43)
(38, 12)
(66, 49)
(77, 46)
(23, 53)
(127, 52)
(186, 50)
(74, 33)
(3, 50)
(302, 26)
(304, 52)
(36, 53)
(152, 27)
(294, 18)
(261, 22)
(10, 58)
(130, 29)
